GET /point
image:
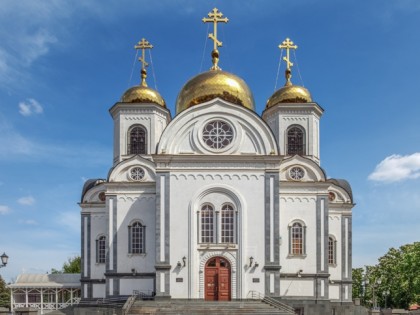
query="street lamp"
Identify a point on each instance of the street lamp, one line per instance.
(4, 259)
(386, 293)
(375, 283)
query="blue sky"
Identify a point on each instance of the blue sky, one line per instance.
(63, 64)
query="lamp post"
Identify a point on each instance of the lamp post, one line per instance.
(386, 293)
(4, 259)
(375, 283)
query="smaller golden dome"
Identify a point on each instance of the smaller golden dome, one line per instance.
(142, 94)
(289, 94)
(211, 84)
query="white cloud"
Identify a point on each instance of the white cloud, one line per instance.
(30, 107)
(27, 201)
(396, 168)
(4, 209)
(28, 222)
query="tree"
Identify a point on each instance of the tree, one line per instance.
(357, 275)
(394, 281)
(72, 265)
(4, 294)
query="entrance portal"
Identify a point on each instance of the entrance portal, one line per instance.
(217, 279)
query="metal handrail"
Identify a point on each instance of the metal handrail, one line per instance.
(273, 302)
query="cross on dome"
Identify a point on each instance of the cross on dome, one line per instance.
(143, 45)
(215, 17)
(288, 45)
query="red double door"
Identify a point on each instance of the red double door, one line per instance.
(217, 280)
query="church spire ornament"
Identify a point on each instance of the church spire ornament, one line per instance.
(288, 45)
(143, 45)
(215, 16)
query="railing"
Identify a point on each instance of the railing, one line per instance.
(48, 305)
(255, 295)
(149, 295)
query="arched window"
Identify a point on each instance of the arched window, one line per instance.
(100, 250)
(295, 140)
(332, 250)
(228, 224)
(207, 224)
(137, 238)
(137, 141)
(297, 239)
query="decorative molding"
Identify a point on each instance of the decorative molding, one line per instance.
(212, 176)
(135, 198)
(298, 199)
(295, 118)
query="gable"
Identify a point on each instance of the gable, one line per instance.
(217, 127)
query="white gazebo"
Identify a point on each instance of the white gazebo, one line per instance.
(45, 292)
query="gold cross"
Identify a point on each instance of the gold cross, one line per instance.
(216, 17)
(143, 45)
(288, 44)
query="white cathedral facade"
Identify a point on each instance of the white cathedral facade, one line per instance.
(217, 202)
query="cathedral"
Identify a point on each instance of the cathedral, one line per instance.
(214, 201)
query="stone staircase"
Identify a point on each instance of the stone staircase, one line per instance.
(200, 307)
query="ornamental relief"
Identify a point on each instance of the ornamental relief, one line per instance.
(298, 199)
(215, 166)
(295, 119)
(218, 176)
(137, 118)
(136, 198)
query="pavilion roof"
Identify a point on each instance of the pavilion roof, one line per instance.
(63, 280)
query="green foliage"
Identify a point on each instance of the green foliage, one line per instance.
(72, 265)
(399, 274)
(358, 283)
(4, 294)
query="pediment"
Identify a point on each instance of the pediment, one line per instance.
(310, 171)
(217, 127)
(130, 170)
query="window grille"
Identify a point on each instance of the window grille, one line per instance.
(295, 141)
(137, 141)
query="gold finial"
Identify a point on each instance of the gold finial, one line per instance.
(288, 44)
(215, 17)
(143, 45)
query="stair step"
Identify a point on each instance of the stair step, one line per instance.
(200, 307)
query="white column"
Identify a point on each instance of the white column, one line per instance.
(56, 299)
(26, 297)
(271, 282)
(85, 246)
(272, 220)
(111, 235)
(162, 282)
(162, 219)
(322, 234)
(346, 242)
(42, 302)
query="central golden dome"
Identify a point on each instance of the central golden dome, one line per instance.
(212, 84)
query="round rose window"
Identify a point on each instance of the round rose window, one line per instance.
(136, 173)
(217, 134)
(296, 173)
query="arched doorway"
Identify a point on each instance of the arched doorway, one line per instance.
(217, 280)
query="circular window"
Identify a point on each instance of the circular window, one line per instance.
(137, 173)
(102, 196)
(331, 196)
(296, 173)
(217, 134)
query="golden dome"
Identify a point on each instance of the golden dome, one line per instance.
(289, 94)
(211, 84)
(142, 94)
